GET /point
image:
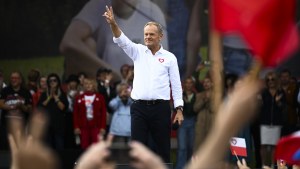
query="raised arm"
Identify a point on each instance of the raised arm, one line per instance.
(123, 41)
(109, 16)
(232, 116)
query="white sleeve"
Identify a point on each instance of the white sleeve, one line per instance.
(130, 48)
(175, 83)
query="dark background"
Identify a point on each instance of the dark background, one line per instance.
(34, 27)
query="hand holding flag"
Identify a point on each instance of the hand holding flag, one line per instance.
(238, 146)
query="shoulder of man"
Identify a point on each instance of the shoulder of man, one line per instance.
(169, 54)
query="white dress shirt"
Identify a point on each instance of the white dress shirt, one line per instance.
(153, 74)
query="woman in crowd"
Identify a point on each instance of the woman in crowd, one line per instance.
(271, 116)
(42, 87)
(186, 131)
(205, 115)
(55, 102)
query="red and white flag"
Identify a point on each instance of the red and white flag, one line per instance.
(238, 146)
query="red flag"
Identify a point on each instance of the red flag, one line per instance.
(267, 26)
(288, 149)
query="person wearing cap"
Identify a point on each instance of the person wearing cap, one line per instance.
(155, 70)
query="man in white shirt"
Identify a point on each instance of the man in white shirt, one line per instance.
(155, 70)
(87, 43)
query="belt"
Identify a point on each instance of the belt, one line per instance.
(150, 102)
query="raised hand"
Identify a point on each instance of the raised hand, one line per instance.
(109, 15)
(232, 115)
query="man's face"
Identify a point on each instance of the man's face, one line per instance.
(102, 76)
(15, 80)
(88, 85)
(271, 81)
(152, 37)
(43, 83)
(72, 85)
(124, 71)
(189, 84)
(285, 78)
(207, 84)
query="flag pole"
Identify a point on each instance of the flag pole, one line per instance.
(237, 158)
(215, 56)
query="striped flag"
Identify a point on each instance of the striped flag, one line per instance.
(238, 146)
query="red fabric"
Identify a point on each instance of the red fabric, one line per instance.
(88, 136)
(240, 151)
(267, 26)
(99, 110)
(35, 97)
(287, 148)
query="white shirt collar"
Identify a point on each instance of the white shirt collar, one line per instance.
(160, 51)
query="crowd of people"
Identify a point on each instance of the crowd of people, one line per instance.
(81, 108)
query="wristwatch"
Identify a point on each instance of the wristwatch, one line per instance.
(179, 108)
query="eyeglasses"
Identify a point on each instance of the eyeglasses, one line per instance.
(52, 80)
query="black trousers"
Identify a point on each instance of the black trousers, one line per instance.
(154, 120)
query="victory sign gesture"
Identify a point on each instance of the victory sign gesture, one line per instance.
(109, 15)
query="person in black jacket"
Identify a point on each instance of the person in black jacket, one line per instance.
(186, 131)
(55, 102)
(271, 116)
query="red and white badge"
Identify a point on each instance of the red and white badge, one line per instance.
(161, 60)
